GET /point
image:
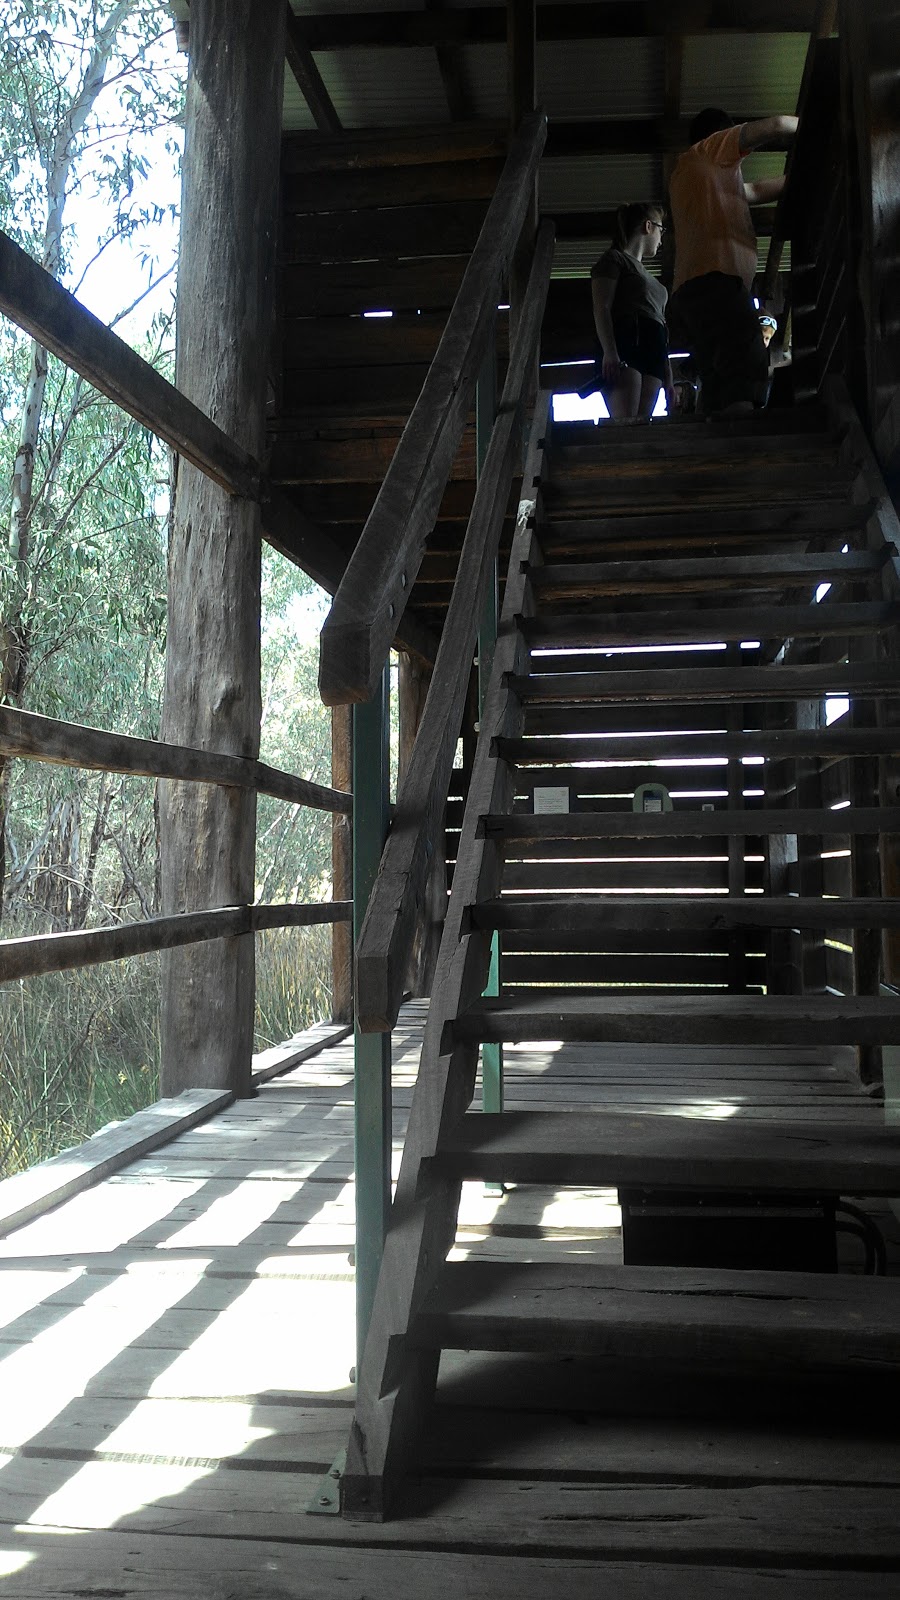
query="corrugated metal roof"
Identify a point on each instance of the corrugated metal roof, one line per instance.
(581, 79)
(594, 183)
(377, 88)
(755, 74)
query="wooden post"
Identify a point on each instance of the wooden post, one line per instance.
(371, 1051)
(485, 412)
(342, 865)
(413, 679)
(871, 41)
(521, 48)
(212, 693)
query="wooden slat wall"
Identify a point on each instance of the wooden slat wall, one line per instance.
(374, 224)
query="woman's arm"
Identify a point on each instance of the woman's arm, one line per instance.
(603, 291)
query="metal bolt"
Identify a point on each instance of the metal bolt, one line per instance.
(335, 1472)
(324, 1499)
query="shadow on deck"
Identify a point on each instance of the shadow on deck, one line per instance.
(176, 1348)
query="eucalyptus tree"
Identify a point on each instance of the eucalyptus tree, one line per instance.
(87, 90)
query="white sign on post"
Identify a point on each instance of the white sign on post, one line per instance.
(550, 800)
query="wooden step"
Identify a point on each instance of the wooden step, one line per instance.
(776, 421)
(799, 1322)
(608, 914)
(698, 526)
(610, 1150)
(684, 685)
(589, 579)
(598, 629)
(715, 486)
(696, 446)
(578, 825)
(682, 1019)
(826, 744)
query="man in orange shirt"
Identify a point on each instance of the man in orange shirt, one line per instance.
(715, 256)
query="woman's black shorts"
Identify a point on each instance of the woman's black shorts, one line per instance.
(642, 344)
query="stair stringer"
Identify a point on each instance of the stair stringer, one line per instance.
(395, 1384)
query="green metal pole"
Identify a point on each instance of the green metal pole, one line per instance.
(485, 412)
(372, 1051)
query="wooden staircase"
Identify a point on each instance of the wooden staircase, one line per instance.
(749, 913)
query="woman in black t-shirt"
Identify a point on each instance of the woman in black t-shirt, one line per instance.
(630, 316)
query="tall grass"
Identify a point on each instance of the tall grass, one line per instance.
(81, 1049)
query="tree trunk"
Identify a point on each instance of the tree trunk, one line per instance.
(212, 693)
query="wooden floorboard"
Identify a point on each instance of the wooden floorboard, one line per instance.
(176, 1343)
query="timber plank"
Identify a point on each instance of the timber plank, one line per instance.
(779, 1019)
(738, 622)
(802, 1321)
(828, 744)
(850, 1526)
(690, 488)
(555, 582)
(701, 523)
(750, 682)
(610, 1149)
(401, 231)
(428, 283)
(29, 1194)
(595, 1446)
(486, 25)
(55, 1564)
(422, 183)
(586, 825)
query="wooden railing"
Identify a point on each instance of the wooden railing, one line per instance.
(30, 297)
(373, 594)
(814, 214)
(399, 891)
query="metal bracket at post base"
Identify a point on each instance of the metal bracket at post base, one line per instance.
(326, 1502)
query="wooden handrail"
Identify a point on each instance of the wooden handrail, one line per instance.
(374, 591)
(399, 889)
(61, 952)
(69, 744)
(34, 300)
(823, 26)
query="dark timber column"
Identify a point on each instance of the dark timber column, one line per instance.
(212, 694)
(342, 865)
(871, 33)
(521, 48)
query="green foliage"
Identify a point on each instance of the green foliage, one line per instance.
(88, 602)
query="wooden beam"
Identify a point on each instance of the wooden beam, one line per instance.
(612, 19)
(714, 913)
(63, 952)
(376, 148)
(375, 589)
(590, 825)
(451, 66)
(70, 744)
(302, 63)
(212, 693)
(521, 74)
(32, 299)
(342, 866)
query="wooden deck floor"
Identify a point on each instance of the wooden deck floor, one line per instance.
(174, 1381)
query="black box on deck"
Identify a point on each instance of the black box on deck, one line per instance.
(766, 1231)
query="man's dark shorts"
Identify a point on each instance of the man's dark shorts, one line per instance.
(721, 325)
